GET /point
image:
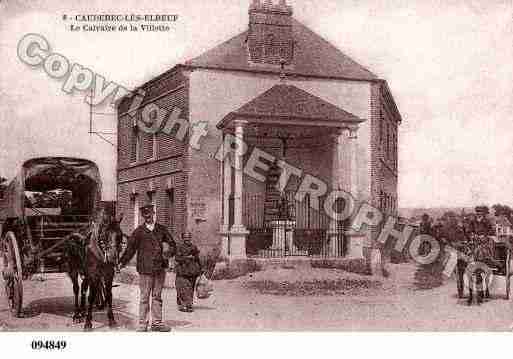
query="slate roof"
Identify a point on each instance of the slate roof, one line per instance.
(289, 101)
(313, 56)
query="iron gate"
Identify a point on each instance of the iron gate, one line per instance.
(289, 227)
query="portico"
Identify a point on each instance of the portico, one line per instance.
(284, 151)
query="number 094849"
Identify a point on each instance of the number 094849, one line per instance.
(48, 344)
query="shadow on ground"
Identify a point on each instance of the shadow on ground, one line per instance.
(202, 307)
(64, 306)
(428, 276)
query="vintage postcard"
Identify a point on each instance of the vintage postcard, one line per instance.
(255, 165)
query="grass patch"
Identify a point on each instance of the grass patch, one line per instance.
(358, 266)
(344, 286)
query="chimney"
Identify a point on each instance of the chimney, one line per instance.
(270, 37)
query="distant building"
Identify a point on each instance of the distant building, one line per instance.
(286, 91)
(503, 226)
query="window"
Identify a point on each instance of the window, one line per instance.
(395, 148)
(149, 147)
(171, 207)
(154, 146)
(381, 127)
(134, 150)
(388, 140)
(381, 136)
(135, 204)
(392, 152)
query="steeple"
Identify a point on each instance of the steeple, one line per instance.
(270, 36)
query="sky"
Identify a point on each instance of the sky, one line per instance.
(448, 64)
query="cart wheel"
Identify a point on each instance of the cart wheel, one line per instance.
(508, 274)
(12, 273)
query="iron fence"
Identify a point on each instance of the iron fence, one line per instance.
(302, 231)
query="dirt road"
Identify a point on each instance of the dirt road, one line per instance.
(411, 299)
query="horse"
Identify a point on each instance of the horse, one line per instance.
(94, 257)
(476, 260)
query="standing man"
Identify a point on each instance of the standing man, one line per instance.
(154, 246)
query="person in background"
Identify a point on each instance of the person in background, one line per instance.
(426, 225)
(154, 246)
(187, 270)
(425, 228)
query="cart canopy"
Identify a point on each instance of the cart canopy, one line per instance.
(62, 174)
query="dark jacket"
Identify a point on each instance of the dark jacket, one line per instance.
(482, 227)
(187, 259)
(148, 246)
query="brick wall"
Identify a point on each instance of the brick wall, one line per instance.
(169, 194)
(159, 174)
(384, 141)
(384, 170)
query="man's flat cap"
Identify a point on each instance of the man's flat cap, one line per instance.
(482, 209)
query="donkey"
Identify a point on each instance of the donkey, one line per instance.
(94, 257)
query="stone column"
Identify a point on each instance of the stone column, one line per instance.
(355, 241)
(226, 191)
(341, 180)
(238, 231)
(353, 150)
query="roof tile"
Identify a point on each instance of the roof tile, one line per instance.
(289, 101)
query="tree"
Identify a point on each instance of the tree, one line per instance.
(503, 210)
(449, 216)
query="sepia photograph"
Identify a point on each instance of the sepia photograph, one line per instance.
(255, 166)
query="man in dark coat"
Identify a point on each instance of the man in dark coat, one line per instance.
(187, 270)
(481, 225)
(481, 229)
(154, 246)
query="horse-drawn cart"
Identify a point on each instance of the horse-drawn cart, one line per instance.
(503, 262)
(51, 198)
(483, 258)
